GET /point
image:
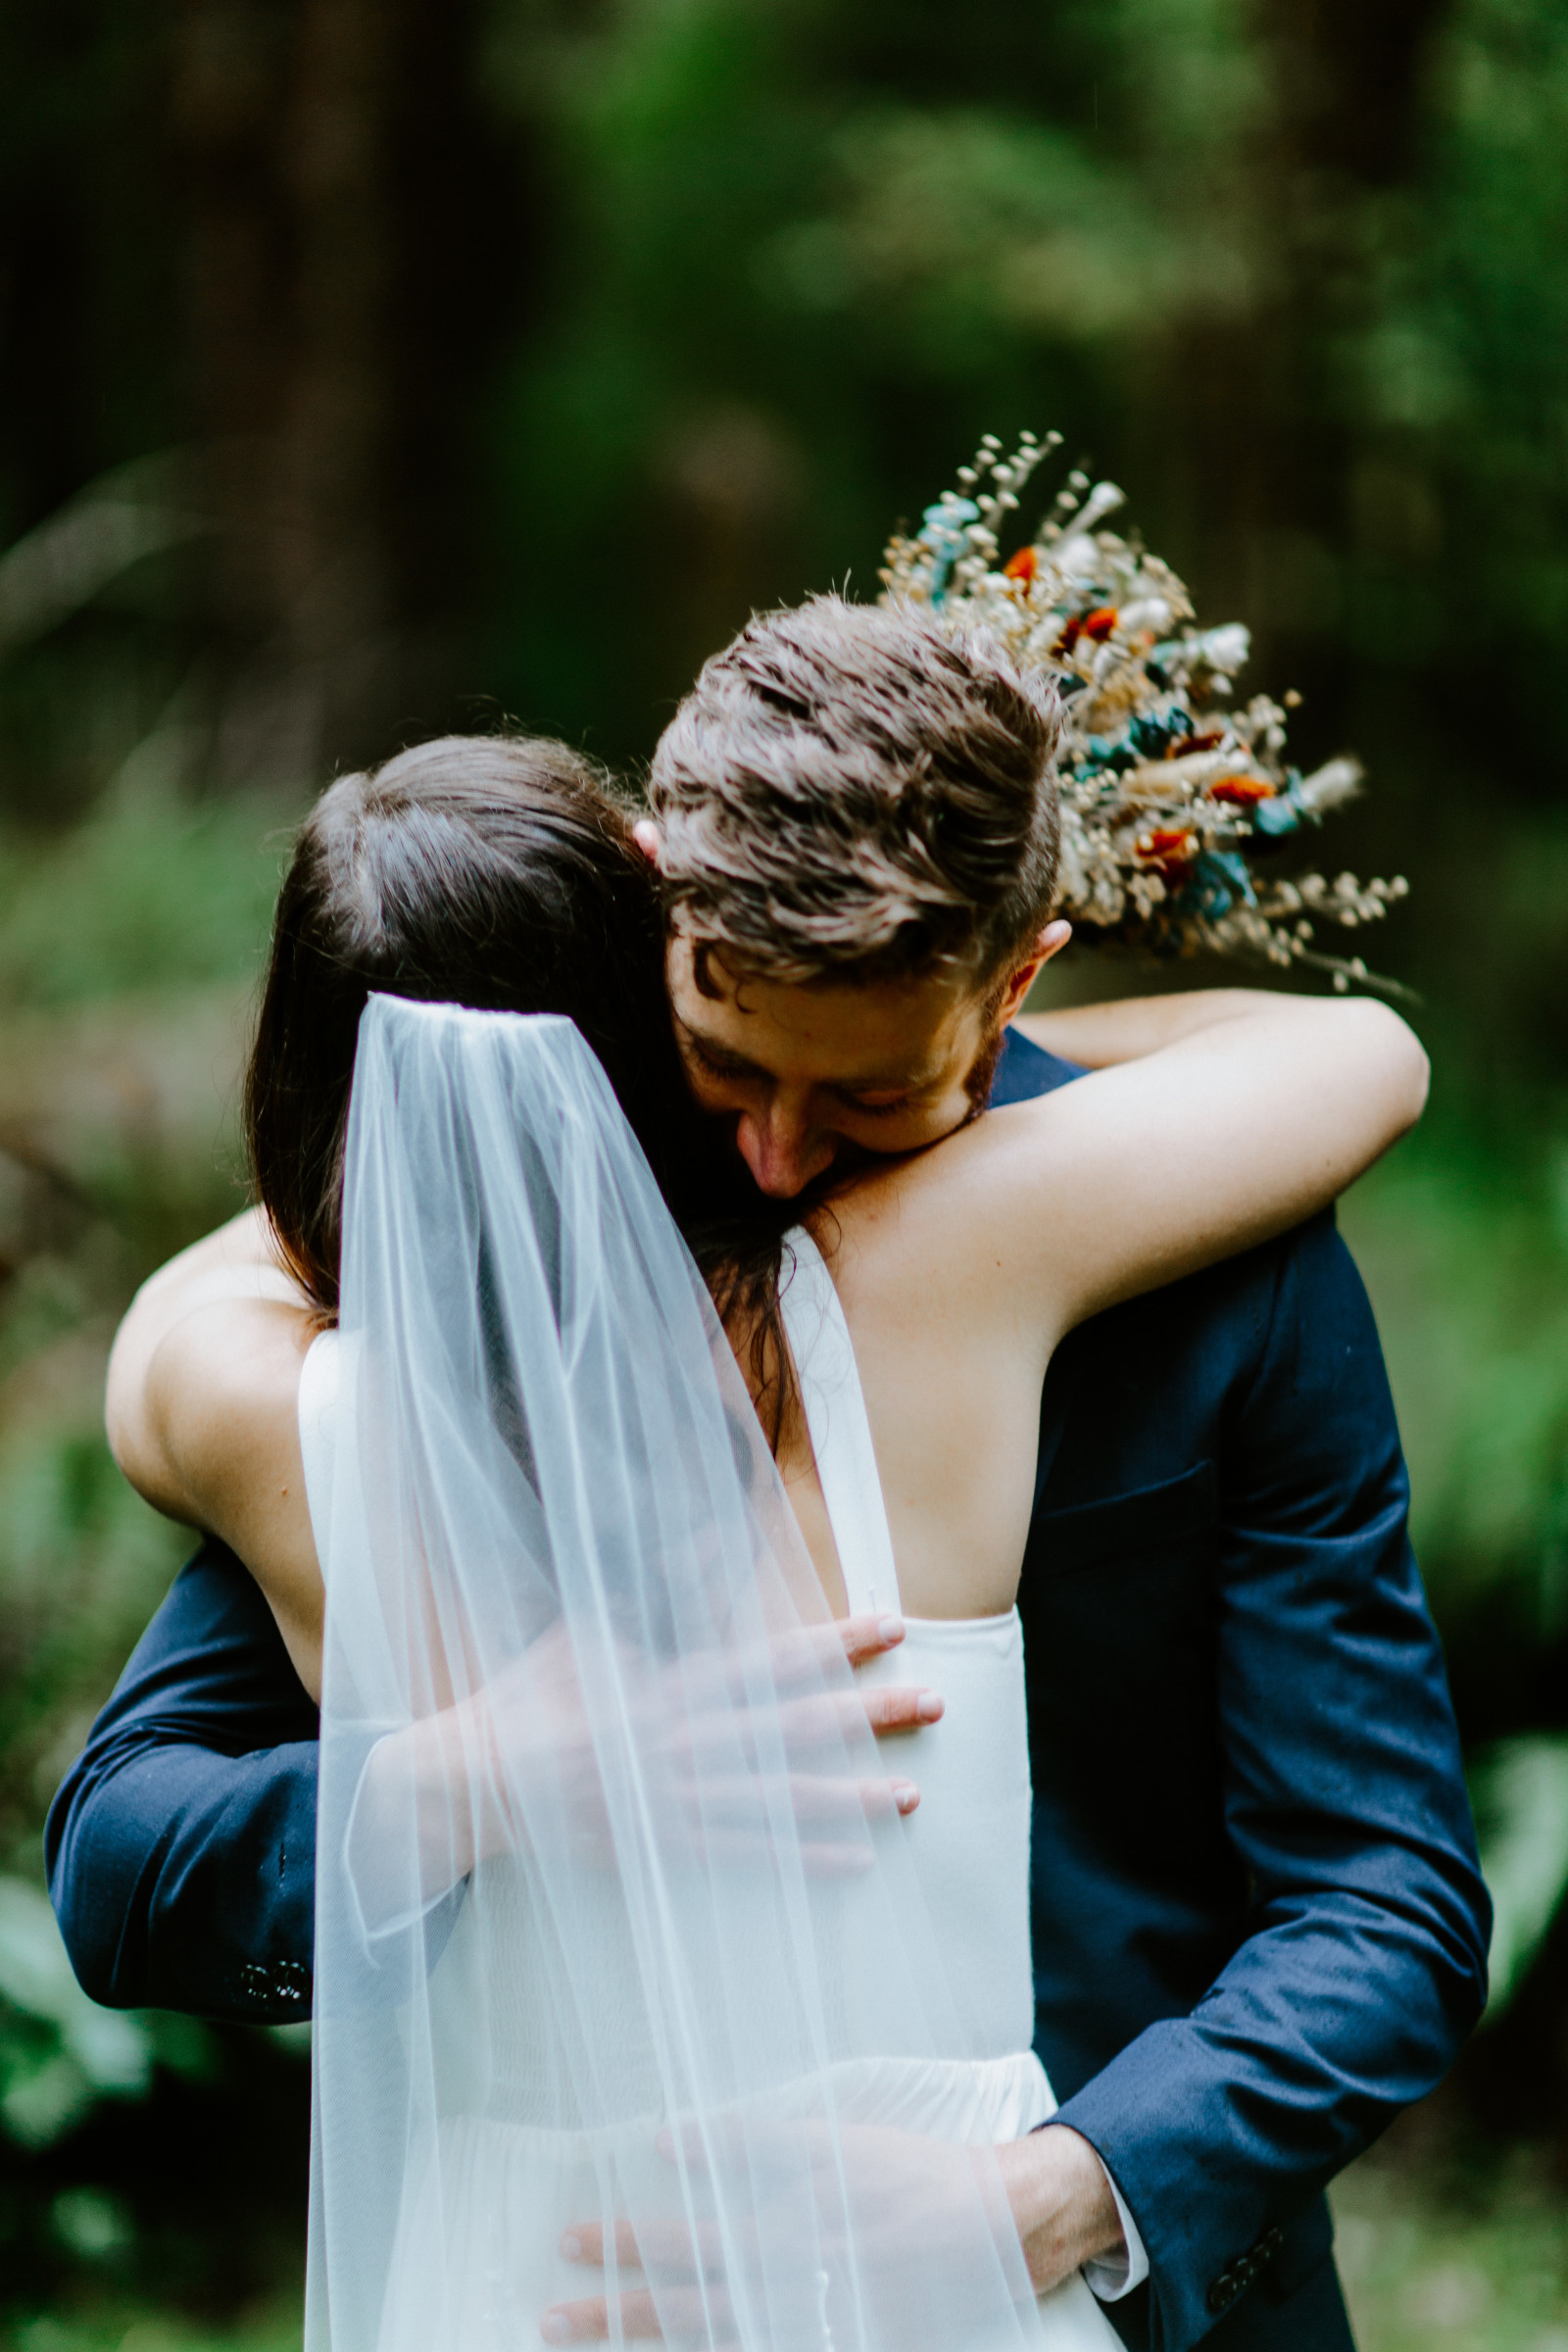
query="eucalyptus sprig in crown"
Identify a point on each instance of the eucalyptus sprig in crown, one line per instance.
(1170, 794)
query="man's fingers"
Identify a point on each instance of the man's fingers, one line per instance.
(667, 2248)
(833, 1715)
(804, 1652)
(819, 1803)
(814, 1800)
(866, 1637)
(587, 2321)
(829, 1818)
(682, 2314)
(584, 2243)
(905, 1709)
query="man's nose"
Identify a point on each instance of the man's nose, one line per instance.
(782, 1150)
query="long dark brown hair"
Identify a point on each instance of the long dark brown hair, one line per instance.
(496, 873)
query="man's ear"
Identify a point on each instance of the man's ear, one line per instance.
(1050, 942)
(645, 833)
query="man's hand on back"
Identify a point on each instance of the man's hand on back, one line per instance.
(906, 1707)
(467, 1774)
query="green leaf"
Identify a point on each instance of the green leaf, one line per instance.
(1521, 1800)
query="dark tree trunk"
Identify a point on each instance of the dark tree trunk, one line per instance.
(1348, 76)
(354, 249)
(1255, 436)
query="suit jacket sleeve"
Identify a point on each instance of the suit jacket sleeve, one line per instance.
(1364, 1964)
(181, 1845)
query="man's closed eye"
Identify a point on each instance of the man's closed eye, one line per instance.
(867, 1109)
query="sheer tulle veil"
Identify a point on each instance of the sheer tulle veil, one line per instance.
(611, 1928)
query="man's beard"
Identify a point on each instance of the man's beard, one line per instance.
(982, 1075)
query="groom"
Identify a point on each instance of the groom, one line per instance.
(1260, 1929)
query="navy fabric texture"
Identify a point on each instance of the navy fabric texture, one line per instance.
(1259, 1925)
(181, 1844)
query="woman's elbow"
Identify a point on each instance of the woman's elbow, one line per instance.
(124, 1412)
(1413, 1079)
(1398, 1072)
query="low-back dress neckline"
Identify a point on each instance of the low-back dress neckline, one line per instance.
(845, 1453)
(970, 1838)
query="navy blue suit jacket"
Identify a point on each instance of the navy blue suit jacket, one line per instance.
(1260, 1926)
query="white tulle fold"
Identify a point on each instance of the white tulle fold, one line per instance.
(609, 1930)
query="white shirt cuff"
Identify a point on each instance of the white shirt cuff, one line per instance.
(1112, 2276)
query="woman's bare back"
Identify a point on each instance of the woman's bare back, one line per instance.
(952, 1399)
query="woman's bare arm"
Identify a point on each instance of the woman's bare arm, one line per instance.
(236, 1262)
(203, 1416)
(1252, 1111)
(1126, 1028)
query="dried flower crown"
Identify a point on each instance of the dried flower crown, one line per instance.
(1168, 796)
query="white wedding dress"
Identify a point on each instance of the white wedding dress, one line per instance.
(510, 2183)
(970, 1838)
(837, 2045)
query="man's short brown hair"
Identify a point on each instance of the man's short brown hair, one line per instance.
(850, 793)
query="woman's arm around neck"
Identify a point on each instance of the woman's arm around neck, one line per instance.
(1126, 1028)
(1244, 1113)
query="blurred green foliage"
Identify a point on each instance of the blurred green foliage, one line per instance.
(1463, 1234)
(807, 258)
(1521, 1800)
(60, 2052)
(129, 946)
(105, 1164)
(117, 2322)
(1445, 2237)
(138, 899)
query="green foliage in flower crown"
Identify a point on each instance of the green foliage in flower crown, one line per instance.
(1172, 800)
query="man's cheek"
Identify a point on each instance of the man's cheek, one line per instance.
(887, 1138)
(943, 1119)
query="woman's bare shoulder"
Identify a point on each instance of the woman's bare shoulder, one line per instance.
(222, 1312)
(216, 1446)
(917, 1234)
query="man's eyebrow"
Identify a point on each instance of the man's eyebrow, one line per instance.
(716, 1051)
(874, 1082)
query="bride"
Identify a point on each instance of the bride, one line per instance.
(625, 1952)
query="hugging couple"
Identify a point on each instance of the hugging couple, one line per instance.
(701, 1361)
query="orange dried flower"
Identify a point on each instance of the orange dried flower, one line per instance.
(1160, 856)
(1170, 853)
(1243, 792)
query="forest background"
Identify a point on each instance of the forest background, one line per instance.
(374, 366)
